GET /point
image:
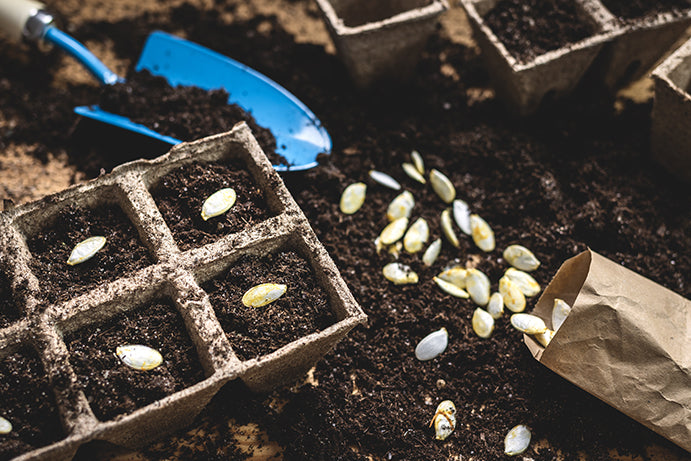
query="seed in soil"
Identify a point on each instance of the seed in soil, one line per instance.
(444, 419)
(139, 357)
(418, 162)
(353, 197)
(483, 323)
(514, 299)
(442, 186)
(461, 214)
(560, 311)
(525, 282)
(477, 284)
(495, 306)
(528, 324)
(218, 203)
(401, 206)
(413, 173)
(400, 274)
(447, 228)
(263, 294)
(455, 275)
(85, 250)
(416, 237)
(5, 426)
(432, 253)
(432, 345)
(521, 258)
(544, 338)
(451, 289)
(483, 236)
(517, 440)
(394, 231)
(384, 179)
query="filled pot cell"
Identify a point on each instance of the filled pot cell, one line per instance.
(301, 309)
(632, 9)
(106, 374)
(8, 310)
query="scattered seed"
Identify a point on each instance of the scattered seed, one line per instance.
(139, 357)
(384, 179)
(517, 440)
(477, 285)
(495, 306)
(447, 228)
(417, 161)
(432, 345)
(85, 250)
(521, 258)
(394, 231)
(451, 289)
(514, 299)
(432, 253)
(5, 426)
(525, 282)
(528, 324)
(483, 323)
(395, 249)
(378, 245)
(455, 275)
(442, 186)
(461, 214)
(219, 202)
(483, 236)
(560, 311)
(417, 236)
(401, 206)
(444, 420)
(263, 294)
(413, 173)
(353, 197)
(399, 274)
(545, 337)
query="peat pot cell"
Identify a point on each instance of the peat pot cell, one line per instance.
(254, 331)
(122, 254)
(632, 9)
(113, 388)
(28, 403)
(529, 28)
(181, 193)
(8, 310)
(356, 13)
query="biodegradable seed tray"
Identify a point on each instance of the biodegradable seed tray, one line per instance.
(162, 299)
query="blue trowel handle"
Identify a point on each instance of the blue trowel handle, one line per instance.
(26, 19)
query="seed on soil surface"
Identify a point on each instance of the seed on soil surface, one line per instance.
(517, 440)
(417, 161)
(461, 214)
(399, 274)
(483, 236)
(5, 426)
(413, 173)
(514, 299)
(353, 197)
(263, 294)
(495, 306)
(85, 250)
(455, 275)
(447, 228)
(525, 282)
(219, 202)
(432, 345)
(521, 258)
(394, 231)
(451, 289)
(560, 311)
(384, 179)
(545, 337)
(432, 253)
(401, 206)
(395, 249)
(442, 186)
(139, 357)
(528, 324)
(483, 323)
(477, 284)
(417, 236)
(444, 419)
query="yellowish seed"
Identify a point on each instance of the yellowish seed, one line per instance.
(521, 258)
(477, 285)
(263, 294)
(401, 206)
(560, 311)
(517, 440)
(5, 426)
(432, 253)
(455, 275)
(482, 234)
(417, 161)
(442, 186)
(528, 323)
(545, 338)
(495, 306)
(139, 357)
(525, 282)
(450, 288)
(353, 197)
(218, 203)
(86, 250)
(444, 420)
(447, 228)
(417, 236)
(413, 173)
(483, 323)
(399, 274)
(513, 297)
(394, 231)
(384, 179)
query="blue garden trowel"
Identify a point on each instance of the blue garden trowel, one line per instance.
(300, 137)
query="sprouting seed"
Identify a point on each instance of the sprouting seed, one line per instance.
(399, 274)
(432, 253)
(521, 258)
(517, 440)
(139, 357)
(413, 173)
(455, 275)
(525, 282)
(545, 337)
(483, 323)
(528, 324)
(482, 234)
(495, 306)
(85, 250)
(263, 294)
(394, 231)
(353, 197)
(477, 284)
(401, 206)
(218, 203)
(5, 426)
(447, 228)
(444, 420)
(442, 186)
(417, 236)
(560, 311)
(450, 288)
(514, 299)
(432, 345)
(417, 161)
(384, 179)
(461, 214)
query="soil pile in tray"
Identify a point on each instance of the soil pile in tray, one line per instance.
(632, 9)
(531, 28)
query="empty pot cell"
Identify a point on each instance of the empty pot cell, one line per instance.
(181, 193)
(356, 13)
(28, 403)
(530, 28)
(8, 310)
(632, 9)
(112, 387)
(122, 254)
(254, 331)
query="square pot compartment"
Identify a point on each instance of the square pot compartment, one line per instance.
(382, 39)
(9, 312)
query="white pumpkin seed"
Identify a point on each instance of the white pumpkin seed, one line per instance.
(447, 228)
(417, 161)
(461, 214)
(521, 258)
(432, 253)
(353, 197)
(219, 202)
(384, 179)
(528, 324)
(417, 236)
(442, 186)
(517, 440)
(413, 173)
(560, 311)
(444, 420)
(5, 426)
(85, 250)
(545, 337)
(432, 345)
(394, 231)
(378, 245)
(495, 306)
(395, 249)
(477, 284)
(139, 357)
(514, 299)
(263, 294)
(451, 289)
(483, 323)
(525, 282)
(401, 206)
(455, 275)
(483, 236)
(399, 274)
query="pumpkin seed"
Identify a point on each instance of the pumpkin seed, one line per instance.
(378, 245)
(394, 231)
(477, 285)
(395, 249)
(219, 202)
(495, 306)
(432, 253)
(521, 258)
(417, 161)
(442, 186)
(263, 294)
(514, 299)
(413, 173)
(517, 440)
(525, 282)
(528, 323)
(455, 275)
(384, 179)
(417, 236)
(451, 289)
(139, 357)
(461, 214)
(401, 206)
(85, 250)
(5, 426)
(560, 311)
(353, 197)
(444, 419)
(447, 228)
(399, 274)
(545, 337)
(483, 236)
(483, 323)
(432, 345)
